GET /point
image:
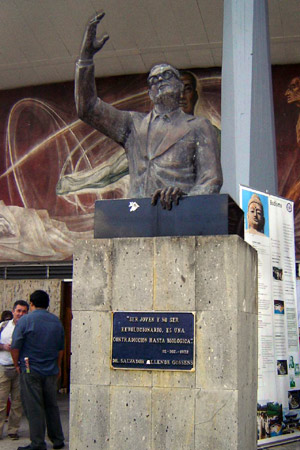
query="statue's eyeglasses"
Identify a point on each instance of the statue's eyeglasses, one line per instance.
(166, 75)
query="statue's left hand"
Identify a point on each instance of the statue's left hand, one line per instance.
(167, 196)
(90, 44)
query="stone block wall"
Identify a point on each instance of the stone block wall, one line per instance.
(12, 290)
(212, 408)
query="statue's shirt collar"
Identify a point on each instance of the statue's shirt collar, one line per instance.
(167, 117)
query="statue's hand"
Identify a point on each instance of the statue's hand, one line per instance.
(167, 196)
(90, 44)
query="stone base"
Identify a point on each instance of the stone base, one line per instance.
(213, 408)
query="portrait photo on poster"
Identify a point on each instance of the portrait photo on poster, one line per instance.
(256, 211)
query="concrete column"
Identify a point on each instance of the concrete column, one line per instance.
(248, 137)
(211, 408)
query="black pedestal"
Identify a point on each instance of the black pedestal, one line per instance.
(200, 215)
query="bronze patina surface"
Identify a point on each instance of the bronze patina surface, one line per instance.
(170, 153)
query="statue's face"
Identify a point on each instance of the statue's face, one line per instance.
(189, 95)
(163, 80)
(293, 91)
(255, 216)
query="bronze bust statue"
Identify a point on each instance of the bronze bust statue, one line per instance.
(170, 153)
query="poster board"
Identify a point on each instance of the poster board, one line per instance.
(269, 228)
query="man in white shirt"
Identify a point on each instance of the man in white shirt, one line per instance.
(9, 377)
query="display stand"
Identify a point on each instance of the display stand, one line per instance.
(209, 406)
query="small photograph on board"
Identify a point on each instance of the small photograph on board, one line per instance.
(292, 382)
(294, 399)
(277, 273)
(278, 307)
(282, 367)
(269, 420)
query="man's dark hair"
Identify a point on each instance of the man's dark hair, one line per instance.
(40, 299)
(21, 303)
(6, 315)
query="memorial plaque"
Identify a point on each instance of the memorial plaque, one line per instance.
(153, 340)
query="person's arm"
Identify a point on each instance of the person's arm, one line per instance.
(15, 352)
(17, 343)
(5, 347)
(59, 361)
(208, 169)
(91, 109)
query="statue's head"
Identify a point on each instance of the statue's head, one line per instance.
(189, 95)
(164, 84)
(255, 215)
(293, 91)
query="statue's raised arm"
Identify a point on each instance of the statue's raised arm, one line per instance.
(91, 109)
(85, 89)
(169, 153)
(90, 44)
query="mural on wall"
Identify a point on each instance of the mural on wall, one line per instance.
(286, 89)
(53, 167)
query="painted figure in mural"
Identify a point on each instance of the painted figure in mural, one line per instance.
(25, 232)
(189, 96)
(293, 96)
(289, 183)
(5, 227)
(191, 101)
(169, 152)
(255, 216)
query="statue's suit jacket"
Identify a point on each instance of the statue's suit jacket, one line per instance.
(187, 157)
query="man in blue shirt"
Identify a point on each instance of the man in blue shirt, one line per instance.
(37, 350)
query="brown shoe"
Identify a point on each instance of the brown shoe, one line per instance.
(14, 436)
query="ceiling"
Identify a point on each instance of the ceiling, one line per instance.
(41, 38)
